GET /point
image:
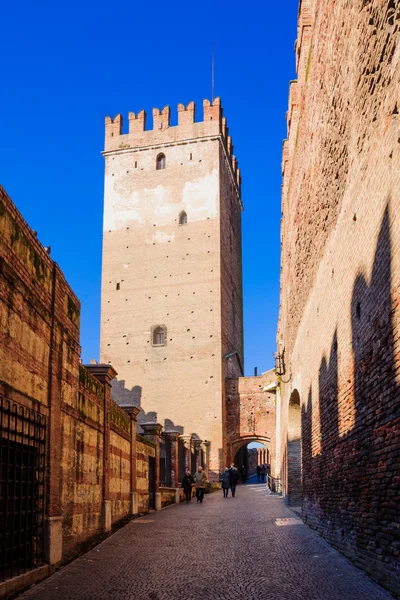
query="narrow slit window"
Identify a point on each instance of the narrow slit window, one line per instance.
(159, 335)
(118, 286)
(183, 218)
(161, 162)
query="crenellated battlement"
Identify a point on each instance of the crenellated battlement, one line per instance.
(138, 137)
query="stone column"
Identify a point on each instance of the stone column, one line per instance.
(173, 438)
(53, 541)
(105, 374)
(153, 432)
(133, 411)
(197, 447)
(187, 443)
(205, 446)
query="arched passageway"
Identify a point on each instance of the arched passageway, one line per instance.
(251, 455)
(294, 451)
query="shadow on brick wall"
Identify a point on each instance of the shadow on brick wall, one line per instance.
(351, 484)
(126, 397)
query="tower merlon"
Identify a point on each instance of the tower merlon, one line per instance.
(113, 126)
(161, 120)
(137, 123)
(186, 115)
(213, 110)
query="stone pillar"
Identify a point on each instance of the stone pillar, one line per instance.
(133, 411)
(53, 542)
(153, 432)
(105, 374)
(173, 438)
(187, 444)
(206, 449)
(197, 447)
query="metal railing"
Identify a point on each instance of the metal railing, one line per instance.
(22, 489)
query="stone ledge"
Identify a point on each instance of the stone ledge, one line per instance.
(22, 582)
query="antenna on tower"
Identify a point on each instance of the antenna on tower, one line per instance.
(212, 72)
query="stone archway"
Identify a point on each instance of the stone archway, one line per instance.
(241, 443)
(294, 483)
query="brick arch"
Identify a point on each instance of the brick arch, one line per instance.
(238, 443)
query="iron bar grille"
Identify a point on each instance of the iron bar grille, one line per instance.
(22, 489)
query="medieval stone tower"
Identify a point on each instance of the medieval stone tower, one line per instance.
(171, 318)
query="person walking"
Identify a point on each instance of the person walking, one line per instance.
(263, 473)
(187, 483)
(233, 479)
(200, 479)
(243, 473)
(225, 482)
(258, 472)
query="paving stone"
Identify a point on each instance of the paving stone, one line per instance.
(249, 547)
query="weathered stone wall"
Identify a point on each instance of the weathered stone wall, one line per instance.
(120, 463)
(158, 272)
(167, 496)
(251, 413)
(82, 462)
(339, 318)
(144, 448)
(39, 343)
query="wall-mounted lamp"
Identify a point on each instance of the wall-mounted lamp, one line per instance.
(280, 362)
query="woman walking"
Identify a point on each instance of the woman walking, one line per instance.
(225, 482)
(187, 483)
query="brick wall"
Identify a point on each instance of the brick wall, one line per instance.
(250, 413)
(90, 441)
(145, 449)
(339, 317)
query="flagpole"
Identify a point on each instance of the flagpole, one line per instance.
(212, 72)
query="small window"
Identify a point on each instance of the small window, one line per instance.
(161, 162)
(183, 218)
(118, 286)
(159, 335)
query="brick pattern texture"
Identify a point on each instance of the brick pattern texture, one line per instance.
(250, 414)
(157, 272)
(340, 277)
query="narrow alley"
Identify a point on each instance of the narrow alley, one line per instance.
(250, 547)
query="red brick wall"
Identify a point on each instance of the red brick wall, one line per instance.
(250, 414)
(90, 448)
(339, 317)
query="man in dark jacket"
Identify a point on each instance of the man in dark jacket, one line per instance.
(187, 483)
(233, 479)
(258, 472)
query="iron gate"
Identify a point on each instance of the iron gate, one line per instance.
(22, 489)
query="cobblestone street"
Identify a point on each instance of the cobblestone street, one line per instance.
(250, 547)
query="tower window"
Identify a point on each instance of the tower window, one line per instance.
(183, 218)
(161, 162)
(159, 335)
(118, 286)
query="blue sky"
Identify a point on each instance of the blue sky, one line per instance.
(67, 65)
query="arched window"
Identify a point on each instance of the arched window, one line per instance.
(161, 162)
(183, 218)
(159, 334)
